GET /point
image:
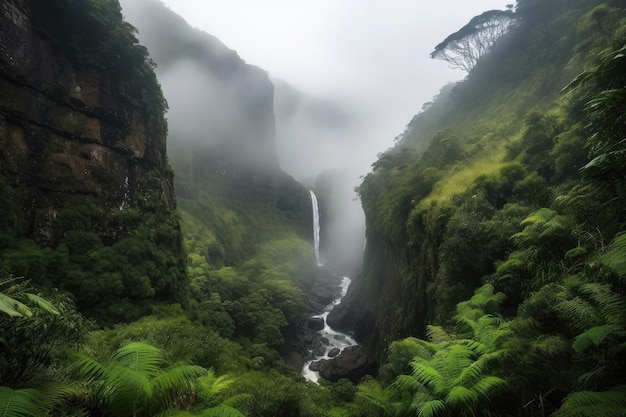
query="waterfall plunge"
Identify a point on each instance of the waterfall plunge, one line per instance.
(316, 227)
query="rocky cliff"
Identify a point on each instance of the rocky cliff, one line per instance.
(221, 118)
(82, 131)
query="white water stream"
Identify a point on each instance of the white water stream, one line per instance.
(335, 339)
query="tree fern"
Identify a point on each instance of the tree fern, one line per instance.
(134, 383)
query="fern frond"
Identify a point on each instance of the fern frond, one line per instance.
(140, 357)
(610, 403)
(212, 385)
(487, 384)
(469, 374)
(222, 411)
(42, 303)
(589, 378)
(431, 408)
(13, 307)
(611, 304)
(550, 345)
(595, 336)
(615, 258)
(580, 312)
(374, 394)
(407, 383)
(89, 369)
(427, 375)
(437, 334)
(462, 397)
(20, 402)
(169, 385)
(542, 215)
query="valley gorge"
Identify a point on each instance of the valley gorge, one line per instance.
(159, 256)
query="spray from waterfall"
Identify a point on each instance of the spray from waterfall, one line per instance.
(316, 227)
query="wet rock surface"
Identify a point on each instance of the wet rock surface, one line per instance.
(353, 363)
(316, 323)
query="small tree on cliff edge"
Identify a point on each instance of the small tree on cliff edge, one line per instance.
(465, 47)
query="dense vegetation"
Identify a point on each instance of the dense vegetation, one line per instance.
(495, 236)
(506, 229)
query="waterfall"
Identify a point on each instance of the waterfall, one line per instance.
(316, 227)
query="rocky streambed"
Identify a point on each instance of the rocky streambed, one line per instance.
(319, 350)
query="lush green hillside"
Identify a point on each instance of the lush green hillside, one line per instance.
(495, 229)
(494, 270)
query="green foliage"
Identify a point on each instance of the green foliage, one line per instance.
(279, 396)
(133, 382)
(20, 403)
(178, 338)
(606, 147)
(34, 335)
(615, 257)
(111, 280)
(594, 404)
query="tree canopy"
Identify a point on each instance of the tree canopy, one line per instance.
(465, 47)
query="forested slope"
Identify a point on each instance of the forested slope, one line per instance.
(494, 270)
(494, 229)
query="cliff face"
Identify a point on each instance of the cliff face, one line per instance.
(221, 118)
(78, 134)
(71, 134)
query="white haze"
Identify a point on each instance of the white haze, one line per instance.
(369, 56)
(363, 66)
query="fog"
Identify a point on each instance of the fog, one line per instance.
(216, 104)
(369, 57)
(348, 77)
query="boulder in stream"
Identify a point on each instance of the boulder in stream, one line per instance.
(316, 323)
(353, 363)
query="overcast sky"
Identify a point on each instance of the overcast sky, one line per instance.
(372, 55)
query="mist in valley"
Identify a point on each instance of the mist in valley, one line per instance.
(220, 106)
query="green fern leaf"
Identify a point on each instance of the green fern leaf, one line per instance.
(487, 384)
(462, 397)
(12, 307)
(374, 394)
(581, 313)
(615, 258)
(171, 383)
(611, 304)
(610, 403)
(222, 411)
(42, 303)
(20, 402)
(431, 408)
(141, 357)
(595, 336)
